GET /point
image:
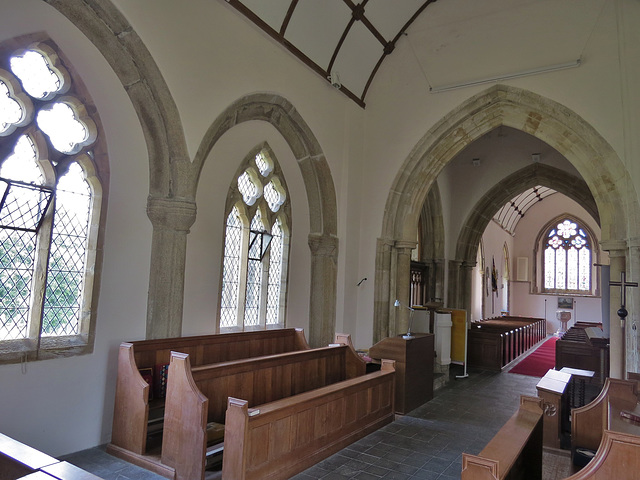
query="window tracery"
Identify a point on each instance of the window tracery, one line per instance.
(256, 251)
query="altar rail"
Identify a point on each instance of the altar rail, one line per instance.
(496, 342)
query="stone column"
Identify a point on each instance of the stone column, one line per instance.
(382, 293)
(454, 288)
(466, 271)
(171, 219)
(322, 307)
(633, 306)
(403, 285)
(617, 343)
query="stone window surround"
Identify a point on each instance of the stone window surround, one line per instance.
(283, 213)
(537, 281)
(96, 170)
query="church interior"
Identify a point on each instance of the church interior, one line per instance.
(200, 190)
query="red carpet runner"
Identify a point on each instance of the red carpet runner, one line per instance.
(539, 361)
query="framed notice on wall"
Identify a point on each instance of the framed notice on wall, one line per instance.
(565, 302)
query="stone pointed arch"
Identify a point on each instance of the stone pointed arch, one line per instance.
(173, 177)
(596, 161)
(511, 186)
(321, 195)
(171, 212)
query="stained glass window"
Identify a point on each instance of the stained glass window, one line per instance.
(254, 265)
(567, 258)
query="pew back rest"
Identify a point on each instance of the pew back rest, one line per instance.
(618, 457)
(207, 349)
(516, 448)
(269, 378)
(131, 407)
(589, 422)
(290, 434)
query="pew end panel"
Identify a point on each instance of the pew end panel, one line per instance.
(131, 404)
(139, 406)
(618, 457)
(186, 415)
(589, 422)
(515, 449)
(279, 439)
(355, 364)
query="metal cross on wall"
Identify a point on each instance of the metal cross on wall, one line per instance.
(623, 284)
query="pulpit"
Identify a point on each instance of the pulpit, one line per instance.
(414, 368)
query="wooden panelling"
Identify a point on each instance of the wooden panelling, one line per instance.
(305, 428)
(131, 410)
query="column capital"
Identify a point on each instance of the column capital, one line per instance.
(171, 213)
(615, 248)
(323, 245)
(405, 244)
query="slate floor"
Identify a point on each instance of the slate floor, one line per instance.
(425, 444)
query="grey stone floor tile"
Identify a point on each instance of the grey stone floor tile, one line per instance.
(425, 444)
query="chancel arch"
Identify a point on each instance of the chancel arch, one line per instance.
(595, 160)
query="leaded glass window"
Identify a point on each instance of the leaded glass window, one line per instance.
(47, 203)
(567, 258)
(256, 246)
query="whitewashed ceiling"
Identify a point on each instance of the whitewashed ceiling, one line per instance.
(453, 41)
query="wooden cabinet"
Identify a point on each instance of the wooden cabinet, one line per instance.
(414, 368)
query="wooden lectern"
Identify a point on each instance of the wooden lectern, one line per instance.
(414, 368)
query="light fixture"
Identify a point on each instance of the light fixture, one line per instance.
(334, 79)
(508, 76)
(475, 162)
(535, 157)
(264, 240)
(408, 335)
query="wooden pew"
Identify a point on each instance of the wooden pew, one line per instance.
(515, 451)
(138, 418)
(618, 457)
(496, 342)
(287, 436)
(198, 396)
(20, 461)
(588, 423)
(576, 349)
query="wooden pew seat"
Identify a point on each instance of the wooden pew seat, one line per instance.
(515, 451)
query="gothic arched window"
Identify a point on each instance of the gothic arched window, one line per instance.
(49, 208)
(256, 246)
(567, 258)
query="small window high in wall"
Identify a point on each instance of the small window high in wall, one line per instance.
(50, 204)
(256, 246)
(567, 258)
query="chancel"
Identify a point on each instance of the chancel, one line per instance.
(339, 222)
